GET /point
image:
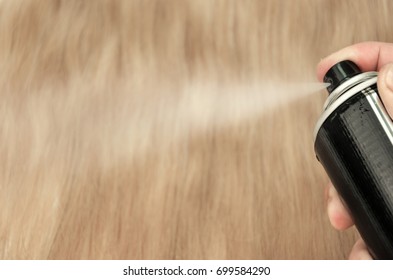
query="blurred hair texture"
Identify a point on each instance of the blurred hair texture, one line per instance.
(108, 150)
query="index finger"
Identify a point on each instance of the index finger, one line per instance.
(369, 56)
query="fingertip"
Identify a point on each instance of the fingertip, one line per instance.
(360, 251)
(339, 219)
(337, 213)
(369, 56)
(321, 69)
(326, 63)
(385, 86)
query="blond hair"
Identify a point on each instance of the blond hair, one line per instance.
(120, 137)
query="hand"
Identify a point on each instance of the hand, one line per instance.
(369, 56)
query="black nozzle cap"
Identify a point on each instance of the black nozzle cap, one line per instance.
(339, 73)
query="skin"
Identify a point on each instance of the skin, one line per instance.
(369, 56)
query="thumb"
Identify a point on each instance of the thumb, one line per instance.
(385, 87)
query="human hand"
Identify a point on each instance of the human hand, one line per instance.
(369, 56)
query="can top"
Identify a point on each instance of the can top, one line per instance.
(343, 92)
(339, 73)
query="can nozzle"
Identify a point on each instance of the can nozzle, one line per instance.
(339, 73)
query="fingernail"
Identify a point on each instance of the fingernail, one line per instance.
(389, 77)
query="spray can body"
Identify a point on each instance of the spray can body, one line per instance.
(354, 143)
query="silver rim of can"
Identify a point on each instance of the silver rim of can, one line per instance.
(346, 86)
(343, 93)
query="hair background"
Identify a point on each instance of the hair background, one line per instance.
(100, 157)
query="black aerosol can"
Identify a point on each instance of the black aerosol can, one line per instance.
(354, 143)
